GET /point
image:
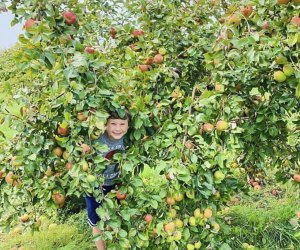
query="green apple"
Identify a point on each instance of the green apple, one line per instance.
(91, 178)
(190, 194)
(192, 221)
(162, 51)
(179, 223)
(197, 213)
(221, 125)
(197, 245)
(279, 76)
(288, 70)
(172, 213)
(190, 247)
(219, 176)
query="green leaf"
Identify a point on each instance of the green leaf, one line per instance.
(273, 131)
(292, 39)
(297, 91)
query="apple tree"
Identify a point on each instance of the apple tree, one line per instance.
(213, 91)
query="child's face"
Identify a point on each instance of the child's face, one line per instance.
(116, 128)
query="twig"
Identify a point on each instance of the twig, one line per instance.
(190, 112)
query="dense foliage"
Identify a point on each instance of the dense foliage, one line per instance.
(212, 87)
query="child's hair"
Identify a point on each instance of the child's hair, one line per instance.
(115, 115)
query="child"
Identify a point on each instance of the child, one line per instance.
(116, 129)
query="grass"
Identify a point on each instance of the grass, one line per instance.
(69, 236)
(265, 221)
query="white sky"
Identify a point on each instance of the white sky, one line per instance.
(8, 34)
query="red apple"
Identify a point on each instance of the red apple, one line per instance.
(208, 127)
(257, 187)
(170, 200)
(133, 47)
(170, 227)
(234, 19)
(58, 151)
(149, 60)
(120, 196)
(158, 59)
(62, 130)
(189, 144)
(24, 218)
(113, 33)
(68, 166)
(282, 1)
(148, 218)
(58, 199)
(9, 178)
(70, 17)
(85, 148)
(69, 37)
(137, 33)
(296, 21)
(247, 11)
(296, 177)
(143, 67)
(81, 116)
(89, 50)
(265, 25)
(29, 23)
(1, 174)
